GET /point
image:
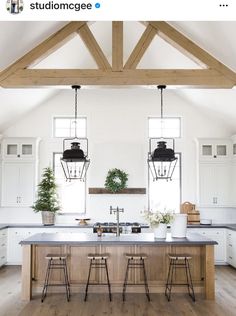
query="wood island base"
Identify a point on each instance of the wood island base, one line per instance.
(202, 267)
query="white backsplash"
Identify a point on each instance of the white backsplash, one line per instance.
(219, 215)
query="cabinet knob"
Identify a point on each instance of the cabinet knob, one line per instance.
(18, 156)
(215, 156)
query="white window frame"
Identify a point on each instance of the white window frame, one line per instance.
(85, 191)
(180, 183)
(165, 118)
(69, 118)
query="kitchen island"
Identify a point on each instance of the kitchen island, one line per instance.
(78, 245)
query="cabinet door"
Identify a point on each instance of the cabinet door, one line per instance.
(18, 184)
(26, 184)
(214, 149)
(10, 184)
(219, 236)
(214, 185)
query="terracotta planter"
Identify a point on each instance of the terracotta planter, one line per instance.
(48, 218)
(160, 231)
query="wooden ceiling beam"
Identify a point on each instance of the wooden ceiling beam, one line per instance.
(93, 47)
(51, 77)
(141, 47)
(117, 46)
(190, 49)
(44, 49)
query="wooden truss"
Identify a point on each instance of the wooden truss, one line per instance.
(212, 74)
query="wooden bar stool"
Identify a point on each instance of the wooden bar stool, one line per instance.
(136, 261)
(98, 261)
(179, 261)
(56, 262)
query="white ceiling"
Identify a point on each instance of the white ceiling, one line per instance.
(17, 38)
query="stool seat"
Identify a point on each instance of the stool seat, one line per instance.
(55, 257)
(136, 256)
(135, 260)
(179, 257)
(98, 256)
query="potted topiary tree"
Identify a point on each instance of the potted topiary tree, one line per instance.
(47, 202)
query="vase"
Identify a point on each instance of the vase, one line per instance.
(160, 231)
(48, 218)
(179, 226)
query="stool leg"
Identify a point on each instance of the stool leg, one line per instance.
(108, 281)
(86, 290)
(170, 280)
(145, 280)
(66, 280)
(45, 287)
(189, 280)
(125, 281)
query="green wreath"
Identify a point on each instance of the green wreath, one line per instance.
(116, 180)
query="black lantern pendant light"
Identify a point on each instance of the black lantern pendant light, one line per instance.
(74, 161)
(162, 160)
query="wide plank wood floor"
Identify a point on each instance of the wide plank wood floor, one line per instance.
(135, 305)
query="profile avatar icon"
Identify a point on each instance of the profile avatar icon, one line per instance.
(15, 6)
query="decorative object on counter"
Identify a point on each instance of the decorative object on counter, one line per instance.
(193, 216)
(205, 221)
(158, 221)
(99, 231)
(179, 226)
(116, 180)
(74, 161)
(83, 220)
(162, 160)
(47, 202)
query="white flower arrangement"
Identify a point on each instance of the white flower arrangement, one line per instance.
(156, 218)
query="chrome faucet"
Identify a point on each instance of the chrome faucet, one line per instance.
(117, 211)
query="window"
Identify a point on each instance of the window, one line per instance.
(162, 193)
(72, 194)
(65, 127)
(167, 127)
(166, 194)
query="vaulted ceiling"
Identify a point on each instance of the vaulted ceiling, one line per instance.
(154, 53)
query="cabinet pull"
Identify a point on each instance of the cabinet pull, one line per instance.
(230, 245)
(2, 257)
(230, 257)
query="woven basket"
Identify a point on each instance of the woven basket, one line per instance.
(48, 218)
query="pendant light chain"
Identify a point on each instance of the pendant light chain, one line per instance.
(76, 104)
(161, 103)
(161, 87)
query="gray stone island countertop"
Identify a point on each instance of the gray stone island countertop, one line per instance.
(124, 239)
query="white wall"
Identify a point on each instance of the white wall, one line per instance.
(118, 137)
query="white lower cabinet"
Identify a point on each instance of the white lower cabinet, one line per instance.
(231, 247)
(219, 235)
(16, 235)
(3, 247)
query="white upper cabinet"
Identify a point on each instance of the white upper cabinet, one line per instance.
(19, 169)
(20, 148)
(214, 149)
(215, 185)
(214, 173)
